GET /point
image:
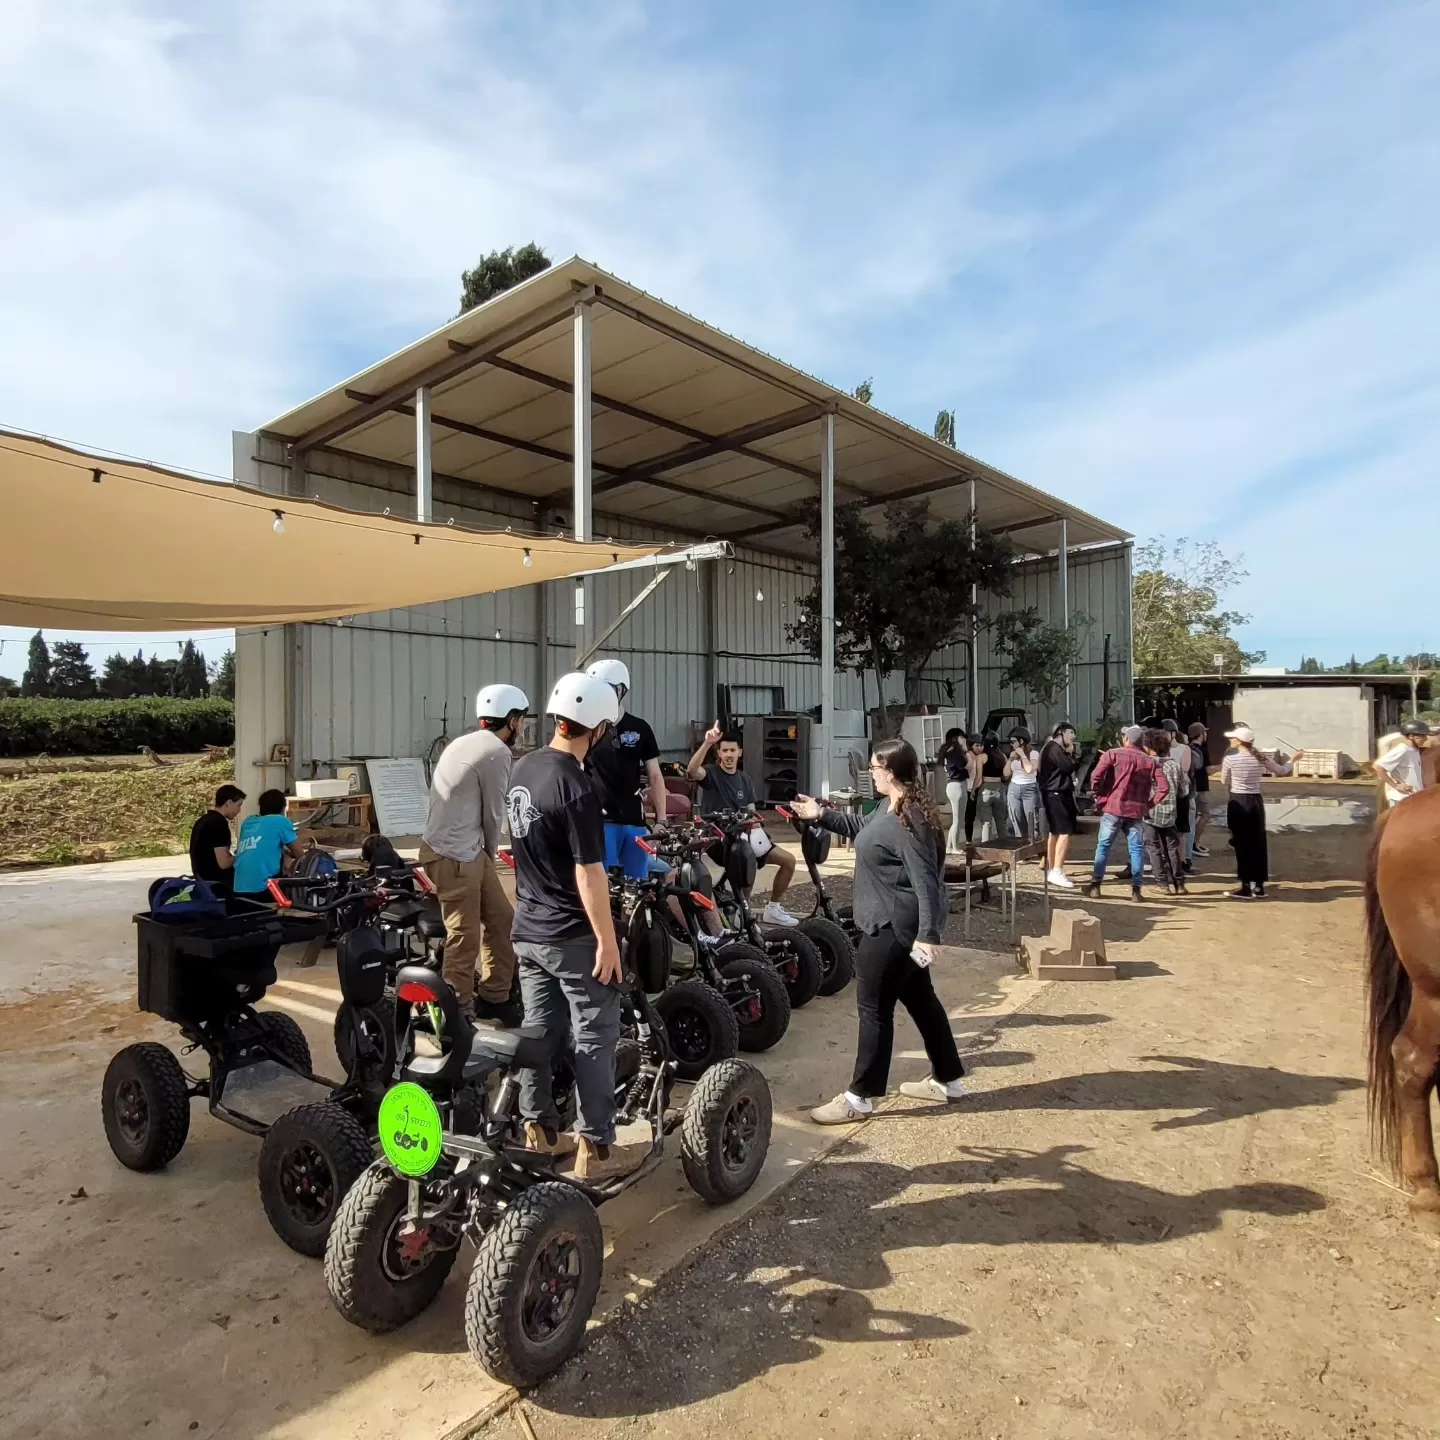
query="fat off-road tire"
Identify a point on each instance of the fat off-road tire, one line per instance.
(356, 1275)
(517, 1327)
(284, 1035)
(700, 1025)
(146, 1106)
(309, 1159)
(766, 1030)
(837, 954)
(726, 1132)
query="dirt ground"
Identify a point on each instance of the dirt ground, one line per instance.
(1155, 1215)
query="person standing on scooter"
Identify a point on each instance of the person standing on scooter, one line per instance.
(459, 851)
(564, 933)
(725, 786)
(622, 764)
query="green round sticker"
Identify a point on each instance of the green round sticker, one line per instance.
(410, 1129)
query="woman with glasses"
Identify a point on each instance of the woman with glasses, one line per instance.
(900, 908)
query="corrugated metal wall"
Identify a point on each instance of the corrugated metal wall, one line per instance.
(384, 683)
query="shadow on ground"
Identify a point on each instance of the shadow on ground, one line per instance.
(812, 1289)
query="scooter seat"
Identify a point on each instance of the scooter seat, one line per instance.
(432, 927)
(507, 1050)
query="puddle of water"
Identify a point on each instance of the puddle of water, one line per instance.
(1308, 812)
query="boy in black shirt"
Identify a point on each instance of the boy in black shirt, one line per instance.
(564, 935)
(211, 857)
(625, 761)
(725, 786)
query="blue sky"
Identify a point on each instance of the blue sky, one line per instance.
(1177, 263)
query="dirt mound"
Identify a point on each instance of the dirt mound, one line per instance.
(86, 813)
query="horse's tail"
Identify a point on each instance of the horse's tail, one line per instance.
(1389, 1004)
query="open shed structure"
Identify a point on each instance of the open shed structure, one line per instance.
(577, 404)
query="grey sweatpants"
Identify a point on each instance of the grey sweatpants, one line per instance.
(579, 1014)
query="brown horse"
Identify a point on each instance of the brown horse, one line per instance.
(1402, 919)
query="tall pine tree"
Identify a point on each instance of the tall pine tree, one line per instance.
(37, 671)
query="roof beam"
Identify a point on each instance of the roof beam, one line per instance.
(621, 407)
(689, 454)
(548, 452)
(446, 369)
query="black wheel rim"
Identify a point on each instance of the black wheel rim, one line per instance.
(307, 1183)
(132, 1112)
(689, 1034)
(737, 1135)
(406, 1253)
(552, 1289)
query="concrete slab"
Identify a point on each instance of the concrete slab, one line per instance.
(154, 1303)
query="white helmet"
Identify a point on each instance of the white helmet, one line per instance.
(612, 672)
(588, 700)
(497, 702)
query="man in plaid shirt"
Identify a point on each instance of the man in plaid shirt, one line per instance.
(1126, 783)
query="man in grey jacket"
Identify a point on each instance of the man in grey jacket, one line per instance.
(459, 848)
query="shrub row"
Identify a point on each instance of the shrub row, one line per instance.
(113, 727)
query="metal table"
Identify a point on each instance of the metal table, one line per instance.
(1008, 853)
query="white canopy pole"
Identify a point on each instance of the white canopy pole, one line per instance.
(827, 596)
(972, 721)
(1063, 560)
(582, 426)
(424, 482)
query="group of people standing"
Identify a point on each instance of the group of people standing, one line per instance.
(1014, 786)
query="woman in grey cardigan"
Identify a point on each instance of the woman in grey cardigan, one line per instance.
(900, 908)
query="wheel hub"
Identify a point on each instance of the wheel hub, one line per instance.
(554, 1286)
(132, 1111)
(307, 1183)
(742, 1124)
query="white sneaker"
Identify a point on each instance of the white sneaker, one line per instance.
(1060, 878)
(774, 914)
(931, 1089)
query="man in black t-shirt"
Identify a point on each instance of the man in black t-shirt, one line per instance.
(725, 786)
(622, 764)
(212, 858)
(564, 935)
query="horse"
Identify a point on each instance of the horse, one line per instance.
(1402, 923)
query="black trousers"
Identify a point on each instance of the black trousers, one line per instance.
(1246, 814)
(970, 815)
(1166, 855)
(885, 976)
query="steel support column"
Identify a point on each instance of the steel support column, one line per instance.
(583, 452)
(424, 479)
(1063, 561)
(827, 597)
(972, 720)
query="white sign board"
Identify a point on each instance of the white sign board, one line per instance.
(401, 796)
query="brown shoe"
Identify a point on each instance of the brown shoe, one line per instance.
(595, 1164)
(548, 1142)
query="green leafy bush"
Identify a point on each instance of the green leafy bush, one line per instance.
(113, 727)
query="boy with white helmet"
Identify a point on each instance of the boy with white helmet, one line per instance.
(458, 850)
(624, 762)
(564, 934)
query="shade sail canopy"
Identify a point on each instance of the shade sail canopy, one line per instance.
(694, 432)
(91, 542)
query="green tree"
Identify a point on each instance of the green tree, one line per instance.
(498, 271)
(1038, 656)
(902, 589)
(945, 428)
(71, 677)
(222, 687)
(1179, 626)
(36, 680)
(865, 390)
(192, 679)
(8, 688)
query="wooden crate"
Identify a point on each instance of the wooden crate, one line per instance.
(1319, 764)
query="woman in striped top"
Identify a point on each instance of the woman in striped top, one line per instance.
(1241, 773)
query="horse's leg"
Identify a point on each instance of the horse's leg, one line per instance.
(1417, 1059)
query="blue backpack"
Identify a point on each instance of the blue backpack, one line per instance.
(185, 899)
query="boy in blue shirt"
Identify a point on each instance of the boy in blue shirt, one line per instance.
(264, 841)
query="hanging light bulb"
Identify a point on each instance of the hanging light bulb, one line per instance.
(279, 526)
(689, 562)
(497, 634)
(759, 595)
(529, 559)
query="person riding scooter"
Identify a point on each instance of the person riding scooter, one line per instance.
(459, 851)
(564, 933)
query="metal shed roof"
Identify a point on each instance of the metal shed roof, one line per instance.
(694, 431)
